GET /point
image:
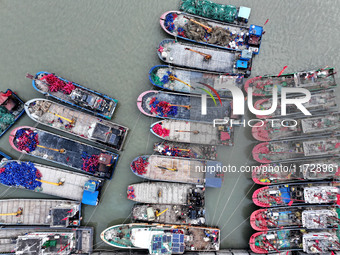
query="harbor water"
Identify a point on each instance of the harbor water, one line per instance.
(110, 46)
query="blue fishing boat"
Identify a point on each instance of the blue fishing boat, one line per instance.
(11, 108)
(74, 94)
(80, 156)
(4, 157)
(182, 106)
(192, 81)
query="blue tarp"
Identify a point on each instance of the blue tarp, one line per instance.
(211, 180)
(90, 198)
(285, 194)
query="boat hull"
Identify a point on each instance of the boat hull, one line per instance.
(221, 61)
(77, 123)
(52, 181)
(80, 103)
(176, 169)
(174, 21)
(181, 107)
(193, 132)
(312, 80)
(15, 109)
(77, 155)
(201, 82)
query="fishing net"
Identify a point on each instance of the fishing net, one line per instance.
(24, 174)
(199, 30)
(139, 165)
(159, 130)
(56, 84)
(26, 140)
(209, 9)
(6, 119)
(162, 108)
(90, 162)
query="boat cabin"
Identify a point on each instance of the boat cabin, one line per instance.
(106, 134)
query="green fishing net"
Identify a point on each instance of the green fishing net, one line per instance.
(208, 9)
(6, 118)
(156, 79)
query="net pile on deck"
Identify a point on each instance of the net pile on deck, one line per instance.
(24, 174)
(159, 130)
(26, 140)
(162, 108)
(139, 165)
(131, 192)
(90, 163)
(56, 84)
(193, 29)
(209, 9)
(6, 118)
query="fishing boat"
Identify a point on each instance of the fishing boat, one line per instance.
(185, 150)
(211, 10)
(45, 145)
(205, 58)
(31, 240)
(211, 32)
(161, 238)
(166, 193)
(168, 214)
(193, 132)
(315, 80)
(11, 108)
(169, 105)
(270, 130)
(52, 181)
(320, 102)
(54, 213)
(309, 241)
(301, 148)
(302, 170)
(77, 123)
(73, 94)
(176, 169)
(309, 217)
(297, 193)
(4, 157)
(195, 82)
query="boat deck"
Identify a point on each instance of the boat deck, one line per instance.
(185, 150)
(9, 236)
(163, 193)
(195, 103)
(37, 211)
(76, 122)
(175, 169)
(185, 132)
(194, 78)
(87, 99)
(169, 214)
(221, 60)
(72, 188)
(74, 155)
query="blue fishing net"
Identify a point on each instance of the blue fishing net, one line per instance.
(24, 174)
